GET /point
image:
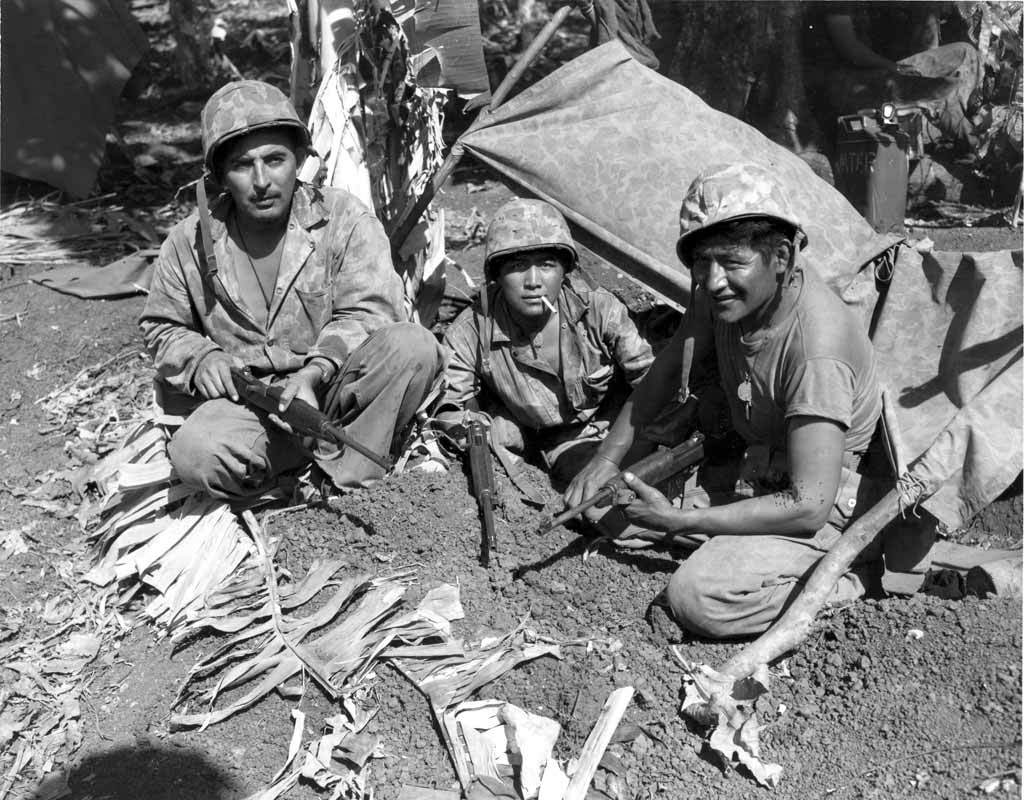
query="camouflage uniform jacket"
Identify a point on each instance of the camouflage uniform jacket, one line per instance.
(336, 285)
(597, 341)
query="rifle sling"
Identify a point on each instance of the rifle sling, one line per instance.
(515, 473)
(208, 258)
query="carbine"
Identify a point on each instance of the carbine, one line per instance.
(304, 419)
(655, 468)
(482, 474)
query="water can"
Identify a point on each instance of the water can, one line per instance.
(872, 166)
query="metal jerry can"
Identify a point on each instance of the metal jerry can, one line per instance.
(872, 166)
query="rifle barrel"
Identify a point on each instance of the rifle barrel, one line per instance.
(575, 511)
(489, 541)
(341, 438)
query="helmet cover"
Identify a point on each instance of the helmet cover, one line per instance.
(732, 192)
(522, 225)
(240, 107)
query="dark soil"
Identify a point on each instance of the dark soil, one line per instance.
(867, 708)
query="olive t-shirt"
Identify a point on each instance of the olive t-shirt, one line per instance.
(817, 361)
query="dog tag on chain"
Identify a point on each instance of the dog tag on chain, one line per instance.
(744, 393)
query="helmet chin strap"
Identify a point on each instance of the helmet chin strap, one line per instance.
(791, 265)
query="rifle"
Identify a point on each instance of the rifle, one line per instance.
(482, 474)
(653, 469)
(304, 419)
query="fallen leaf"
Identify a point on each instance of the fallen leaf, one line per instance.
(13, 543)
(736, 731)
(57, 610)
(84, 645)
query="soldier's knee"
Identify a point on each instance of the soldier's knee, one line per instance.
(687, 599)
(415, 344)
(191, 454)
(697, 602)
(410, 349)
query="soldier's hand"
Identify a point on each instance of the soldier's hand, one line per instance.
(213, 376)
(589, 480)
(301, 384)
(650, 508)
(455, 423)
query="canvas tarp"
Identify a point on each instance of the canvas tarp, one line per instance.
(614, 146)
(63, 65)
(948, 336)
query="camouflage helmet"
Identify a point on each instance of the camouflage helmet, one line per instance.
(240, 107)
(522, 225)
(731, 192)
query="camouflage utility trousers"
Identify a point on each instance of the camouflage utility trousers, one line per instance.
(231, 451)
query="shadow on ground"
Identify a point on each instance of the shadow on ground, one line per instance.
(143, 771)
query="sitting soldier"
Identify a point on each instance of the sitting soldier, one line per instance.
(798, 373)
(554, 360)
(861, 55)
(293, 282)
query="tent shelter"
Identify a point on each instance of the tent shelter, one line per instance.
(614, 145)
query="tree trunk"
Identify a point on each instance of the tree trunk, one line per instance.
(743, 59)
(191, 23)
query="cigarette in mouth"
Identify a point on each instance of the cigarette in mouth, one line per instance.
(549, 304)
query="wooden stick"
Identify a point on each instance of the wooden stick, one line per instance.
(407, 222)
(793, 626)
(597, 742)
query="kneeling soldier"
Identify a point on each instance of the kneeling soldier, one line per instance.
(799, 374)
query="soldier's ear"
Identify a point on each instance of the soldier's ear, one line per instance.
(783, 255)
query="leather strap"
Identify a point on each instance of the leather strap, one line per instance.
(208, 264)
(689, 324)
(208, 258)
(515, 474)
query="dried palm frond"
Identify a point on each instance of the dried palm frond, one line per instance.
(337, 760)
(449, 679)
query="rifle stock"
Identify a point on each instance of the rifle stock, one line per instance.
(482, 474)
(655, 468)
(304, 419)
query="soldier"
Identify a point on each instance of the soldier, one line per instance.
(798, 373)
(861, 55)
(293, 282)
(550, 363)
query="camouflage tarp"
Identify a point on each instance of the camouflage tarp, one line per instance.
(614, 145)
(948, 336)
